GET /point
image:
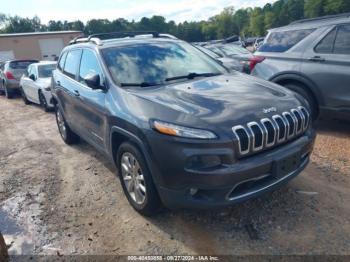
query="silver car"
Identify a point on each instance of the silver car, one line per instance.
(10, 74)
(35, 84)
(312, 58)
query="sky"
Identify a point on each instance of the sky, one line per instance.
(177, 10)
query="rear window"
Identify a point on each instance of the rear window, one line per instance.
(72, 63)
(62, 61)
(342, 42)
(283, 41)
(21, 64)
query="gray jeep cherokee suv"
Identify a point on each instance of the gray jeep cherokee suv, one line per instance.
(312, 58)
(180, 129)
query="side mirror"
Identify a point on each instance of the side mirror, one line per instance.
(32, 77)
(93, 81)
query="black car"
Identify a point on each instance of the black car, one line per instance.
(181, 130)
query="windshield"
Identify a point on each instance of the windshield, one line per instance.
(46, 70)
(157, 62)
(231, 50)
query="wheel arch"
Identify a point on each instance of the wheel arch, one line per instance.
(118, 136)
(298, 78)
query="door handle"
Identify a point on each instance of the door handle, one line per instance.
(317, 59)
(76, 93)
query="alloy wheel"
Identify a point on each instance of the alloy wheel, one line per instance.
(133, 178)
(61, 125)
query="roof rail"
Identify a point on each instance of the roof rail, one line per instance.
(112, 35)
(98, 38)
(327, 17)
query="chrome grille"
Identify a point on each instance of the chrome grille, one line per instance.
(266, 133)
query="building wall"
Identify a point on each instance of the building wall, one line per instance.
(27, 47)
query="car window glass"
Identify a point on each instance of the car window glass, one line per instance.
(326, 44)
(29, 70)
(342, 41)
(231, 50)
(45, 71)
(89, 66)
(155, 62)
(283, 41)
(72, 63)
(21, 64)
(62, 60)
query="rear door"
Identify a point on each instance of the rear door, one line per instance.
(90, 104)
(327, 64)
(65, 85)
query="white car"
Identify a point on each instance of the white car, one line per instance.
(35, 84)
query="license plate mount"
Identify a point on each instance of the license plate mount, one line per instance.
(286, 165)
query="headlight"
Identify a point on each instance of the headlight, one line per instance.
(181, 131)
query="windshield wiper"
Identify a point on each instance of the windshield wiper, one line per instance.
(192, 75)
(143, 84)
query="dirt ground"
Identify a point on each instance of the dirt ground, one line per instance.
(56, 199)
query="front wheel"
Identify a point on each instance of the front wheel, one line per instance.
(24, 97)
(43, 102)
(68, 136)
(136, 180)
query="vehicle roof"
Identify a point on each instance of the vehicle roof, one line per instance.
(45, 63)
(315, 22)
(122, 42)
(18, 60)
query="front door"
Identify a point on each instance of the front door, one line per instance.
(90, 105)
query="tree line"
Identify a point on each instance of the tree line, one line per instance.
(244, 22)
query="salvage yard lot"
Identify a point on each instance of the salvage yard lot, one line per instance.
(56, 199)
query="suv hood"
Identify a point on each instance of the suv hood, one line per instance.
(225, 100)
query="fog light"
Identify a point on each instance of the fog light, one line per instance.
(193, 191)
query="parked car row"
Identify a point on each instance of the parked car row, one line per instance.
(30, 78)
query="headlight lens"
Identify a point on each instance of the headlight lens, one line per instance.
(181, 131)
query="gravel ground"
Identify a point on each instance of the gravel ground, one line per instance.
(56, 199)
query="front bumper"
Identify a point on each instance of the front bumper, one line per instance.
(228, 183)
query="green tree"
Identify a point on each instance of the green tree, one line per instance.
(314, 8)
(256, 22)
(336, 6)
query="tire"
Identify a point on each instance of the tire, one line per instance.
(301, 90)
(138, 174)
(68, 136)
(43, 102)
(24, 97)
(2, 90)
(8, 94)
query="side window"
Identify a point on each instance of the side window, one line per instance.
(283, 41)
(89, 65)
(62, 60)
(342, 41)
(326, 44)
(29, 70)
(72, 63)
